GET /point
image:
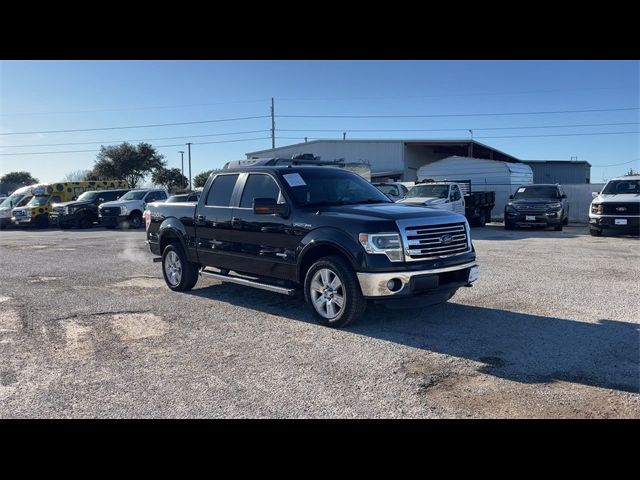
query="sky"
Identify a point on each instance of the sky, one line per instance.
(40, 96)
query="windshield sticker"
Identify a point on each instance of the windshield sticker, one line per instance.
(520, 190)
(294, 180)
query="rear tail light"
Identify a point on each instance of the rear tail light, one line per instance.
(147, 219)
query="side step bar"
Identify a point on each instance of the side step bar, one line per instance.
(248, 283)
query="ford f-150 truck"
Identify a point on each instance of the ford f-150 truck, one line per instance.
(323, 230)
(617, 207)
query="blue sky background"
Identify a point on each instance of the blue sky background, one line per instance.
(55, 95)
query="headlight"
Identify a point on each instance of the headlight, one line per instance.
(124, 211)
(554, 205)
(597, 208)
(383, 243)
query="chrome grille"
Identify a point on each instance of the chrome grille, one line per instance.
(59, 210)
(19, 213)
(530, 208)
(422, 242)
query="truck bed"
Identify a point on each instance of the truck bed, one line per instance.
(480, 199)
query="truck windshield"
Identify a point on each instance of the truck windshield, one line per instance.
(331, 186)
(39, 201)
(88, 196)
(622, 186)
(134, 195)
(12, 200)
(537, 191)
(431, 191)
(388, 189)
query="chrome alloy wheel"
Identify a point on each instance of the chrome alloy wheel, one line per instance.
(327, 293)
(173, 268)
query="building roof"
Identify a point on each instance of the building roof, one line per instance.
(557, 161)
(451, 144)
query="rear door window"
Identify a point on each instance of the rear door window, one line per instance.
(221, 191)
(259, 186)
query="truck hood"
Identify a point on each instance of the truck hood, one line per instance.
(424, 200)
(118, 203)
(534, 201)
(73, 203)
(386, 211)
(617, 198)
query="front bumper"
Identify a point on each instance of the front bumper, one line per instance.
(625, 223)
(547, 219)
(21, 220)
(420, 282)
(111, 220)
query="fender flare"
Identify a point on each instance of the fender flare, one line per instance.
(173, 226)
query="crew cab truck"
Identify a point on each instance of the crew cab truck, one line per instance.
(128, 209)
(83, 212)
(455, 196)
(323, 230)
(539, 205)
(616, 207)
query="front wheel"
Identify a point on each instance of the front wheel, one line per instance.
(42, 221)
(135, 220)
(558, 228)
(179, 273)
(332, 289)
(595, 232)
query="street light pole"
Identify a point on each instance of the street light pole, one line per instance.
(181, 152)
(189, 154)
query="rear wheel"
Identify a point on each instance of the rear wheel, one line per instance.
(487, 216)
(83, 222)
(332, 289)
(565, 221)
(179, 273)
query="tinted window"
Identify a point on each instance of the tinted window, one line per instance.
(258, 186)
(388, 189)
(155, 196)
(622, 186)
(455, 191)
(221, 190)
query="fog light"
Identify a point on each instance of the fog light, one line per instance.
(394, 285)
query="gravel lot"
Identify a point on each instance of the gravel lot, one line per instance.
(88, 329)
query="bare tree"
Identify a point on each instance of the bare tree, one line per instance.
(77, 176)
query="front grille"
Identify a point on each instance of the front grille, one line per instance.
(19, 213)
(59, 210)
(107, 212)
(434, 241)
(530, 208)
(621, 208)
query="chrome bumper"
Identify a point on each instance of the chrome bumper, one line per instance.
(375, 284)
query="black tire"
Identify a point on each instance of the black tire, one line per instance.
(110, 227)
(354, 304)
(42, 221)
(509, 225)
(188, 270)
(83, 222)
(65, 226)
(135, 220)
(565, 221)
(487, 216)
(595, 232)
(558, 228)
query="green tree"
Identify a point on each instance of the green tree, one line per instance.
(170, 178)
(19, 179)
(200, 179)
(127, 162)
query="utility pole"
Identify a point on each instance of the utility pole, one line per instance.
(273, 124)
(189, 149)
(344, 135)
(181, 152)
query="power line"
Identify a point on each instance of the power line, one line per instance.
(505, 136)
(463, 114)
(138, 140)
(140, 126)
(452, 129)
(617, 164)
(156, 146)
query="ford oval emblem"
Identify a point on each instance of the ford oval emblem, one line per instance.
(621, 209)
(446, 239)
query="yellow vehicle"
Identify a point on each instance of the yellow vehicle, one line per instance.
(36, 211)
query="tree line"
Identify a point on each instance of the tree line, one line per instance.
(132, 163)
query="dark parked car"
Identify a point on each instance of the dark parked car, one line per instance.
(323, 230)
(541, 205)
(83, 212)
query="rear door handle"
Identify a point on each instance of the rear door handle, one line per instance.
(235, 222)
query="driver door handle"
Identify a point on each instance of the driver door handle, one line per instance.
(235, 222)
(200, 219)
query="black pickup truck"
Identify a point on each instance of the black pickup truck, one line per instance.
(323, 230)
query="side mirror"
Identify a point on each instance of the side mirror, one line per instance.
(594, 194)
(510, 197)
(269, 206)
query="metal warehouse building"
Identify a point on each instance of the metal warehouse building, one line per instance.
(389, 159)
(560, 171)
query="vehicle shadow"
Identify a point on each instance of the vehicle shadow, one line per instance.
(515, 346)
(496, 231)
